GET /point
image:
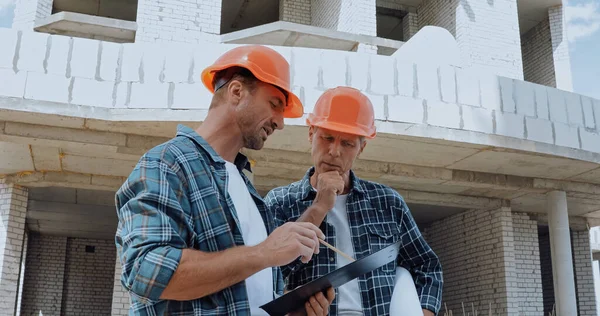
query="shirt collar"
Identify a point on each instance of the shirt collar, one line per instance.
(241, 161)
(308, 192)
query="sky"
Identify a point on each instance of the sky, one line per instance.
(583, 20)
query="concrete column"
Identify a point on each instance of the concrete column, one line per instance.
(28, 11)
(560, 48)
(562, 258)
(121, 299)
(186, 22)
(13, 207)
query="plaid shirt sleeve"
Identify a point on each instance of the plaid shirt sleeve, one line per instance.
(151, 232)
(418, 257)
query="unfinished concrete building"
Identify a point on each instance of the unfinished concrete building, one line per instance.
(478, 130)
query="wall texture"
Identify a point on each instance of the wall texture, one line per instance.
(45, 266)
(477, 251)
(584, 277)
(13, 207)
(352, 16)
(295, 11)
(150, 76)
(527, 262)
(538, 59)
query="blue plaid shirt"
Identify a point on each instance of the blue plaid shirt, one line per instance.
(176, 198)
(378, 217)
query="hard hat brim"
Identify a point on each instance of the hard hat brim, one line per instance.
(294, 108)
(340, 127)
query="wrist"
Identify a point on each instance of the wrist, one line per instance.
(258, 258)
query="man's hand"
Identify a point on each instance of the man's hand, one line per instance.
(317, 305)
(329, 185)
(290, 241)
(427, 312)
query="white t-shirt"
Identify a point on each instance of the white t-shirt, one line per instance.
(260, 285)
(349, 301)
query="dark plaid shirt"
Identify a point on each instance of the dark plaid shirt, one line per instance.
(176, 198)
(378, 217)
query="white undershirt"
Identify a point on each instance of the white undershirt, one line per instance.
(260, 285)
(349, 301)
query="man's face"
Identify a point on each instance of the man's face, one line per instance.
(259, 114)
(334, 151)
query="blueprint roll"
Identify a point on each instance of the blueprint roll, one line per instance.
(405, 301)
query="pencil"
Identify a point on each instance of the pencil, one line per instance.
(336, 250)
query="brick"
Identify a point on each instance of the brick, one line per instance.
(590, 141)
(178, 63)
(448, 83)
(149, 95)
(58, 55)
(383, 75)
(42, 87)
(109, 61)
(588, 112)
(93, 93)
(333, 69)
(406, 78)
(539, 130)
(478, 119)
(191, 96)
(574, 110)
(405, 109)
(427, 76)
(11, 84)
(566, 135)
(306, 69)
(9, 39)
(596, 109)
(489, 87)
(467, 87)
(310, 98)
(506, 92)
(378, 102)
(443, 114)
(84, 58)
(359, 71)
(32, 51)
(153, 61)
(557, 106)
(510, 125)
(525, 97)
(130, 64)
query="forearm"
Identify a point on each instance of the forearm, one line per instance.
(202, 273)
(314, 214)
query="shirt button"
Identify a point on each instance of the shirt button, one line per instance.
(331, 259)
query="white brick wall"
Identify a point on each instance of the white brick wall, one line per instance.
(120, 299)
(352, 16)
(22, 272)
(584, 277)
(410, 25)
(477, 252)
(188, 21)
(13, 207)
(538, 60)
(44, 279)
(28, 11)
(89, 277)
(485, 32)
(560, 47)
(527, 260)
(295, 11)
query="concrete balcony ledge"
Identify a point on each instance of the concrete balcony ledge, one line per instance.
(88, 26)
(283, 33)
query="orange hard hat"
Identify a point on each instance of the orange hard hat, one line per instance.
(345, 110)
(265, 64)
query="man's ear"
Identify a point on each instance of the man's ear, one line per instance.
(235, 90)
(311, 132)
(362, 147)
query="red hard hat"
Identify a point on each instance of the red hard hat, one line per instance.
(266, 65)
(345, 110)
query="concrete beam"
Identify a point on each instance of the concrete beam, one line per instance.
(452, 200)
(65, 180)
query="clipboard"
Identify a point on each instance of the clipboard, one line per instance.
(295, 299)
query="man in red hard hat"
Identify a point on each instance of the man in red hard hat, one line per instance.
(194, 236)
(358, 217)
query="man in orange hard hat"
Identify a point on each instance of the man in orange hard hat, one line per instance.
(194, 236)
(358, 217)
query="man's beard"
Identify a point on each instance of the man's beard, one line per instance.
(252, 139)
